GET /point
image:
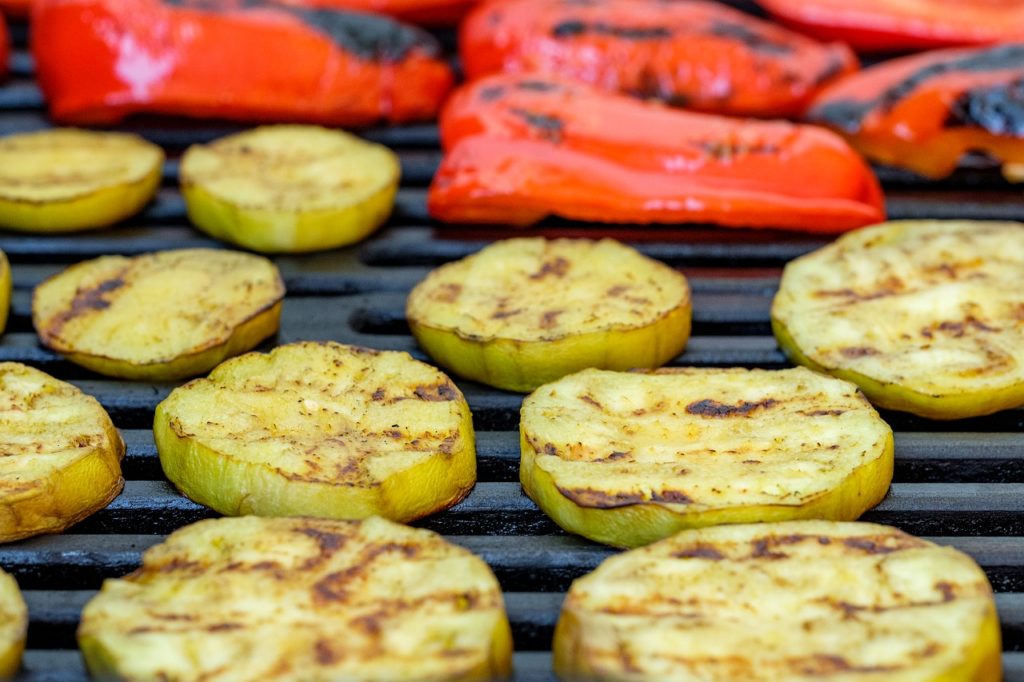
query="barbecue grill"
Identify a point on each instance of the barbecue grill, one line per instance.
(961, 483)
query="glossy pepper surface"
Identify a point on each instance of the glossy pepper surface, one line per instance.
(425, 12)
(892, 25)
(246, 60)
(925, 112)
(690, 53)
(520, 148)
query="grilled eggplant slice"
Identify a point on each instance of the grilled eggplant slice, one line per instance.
(319, 429)
(160, 316)
(523, 312)
(289, 188)
(925, 316)
(300, 599)
(62, 454)
(782, 602)
(13, 626)
(630, 458)
(67, 180)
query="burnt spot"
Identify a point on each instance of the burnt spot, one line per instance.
(575, 28)
(997, 109)
(854, 352)
(558, 267)
(765, 548)
(379, 395)
(726, 150)
(615, 456)
(440, 393)
(549, 319)
(223, 627)
(699, 551)
(599, 499)
(447, 446)
(180, 565)
(324, 653)
(503, 314)
(947, 591)
(713, 408)
(957, 329)
(534, 85)
(550, 449)
(672, 497)
(822, 665)
(822, 413)
(85, 301)
(833, 68)
(883, 544)
(748, 36)
(751, 461)
(448, 293)
(328, 543)
(590, 400)
(617, 290)
(491, 93)
(547, 126)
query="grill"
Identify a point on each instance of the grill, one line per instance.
(960, 483)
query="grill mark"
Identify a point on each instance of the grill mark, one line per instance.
(853, 352)
(831, 664)
(448, 293)
(883, 544)
(557, 267)
(547, 126)
(713, 408)
(575, 28)
(724, 150)
(672, 497)
(699, 551)
(822, 413)
(750, 37)
(440, 393)
(84, 302)
(590, 400)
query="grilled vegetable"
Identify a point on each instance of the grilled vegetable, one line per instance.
(67, 180)
(425, 12)
(925, 112)
(630, 458)
(690, 53)
(5, 49)
(13, 626)
(893, 25)
(15, 8)
(926, 317)
(159, 316)
(523, 312)
(259, 60)
(793, 602)
(319, 429)
(289, 188)
(291, 599)
(5, 290)
(523, 147)
(62, 455)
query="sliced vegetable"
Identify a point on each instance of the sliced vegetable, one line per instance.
(66, 180)
(523, 312)
(424, 12)
(13, 626)
(926, 112)
(160, 316)
(5, 48)
(6, 288)
(690, 53)
(259, 60)
(925, 316)
(796, 601)
(291, 599)
(319, 429)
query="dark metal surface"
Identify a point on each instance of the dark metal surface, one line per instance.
(960, 481)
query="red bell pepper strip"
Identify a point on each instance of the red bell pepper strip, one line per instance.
(423, 12)
(15, 8)
(690, 53)
(5, 49)
(245, 60)
(525, 147)
(925, 112)
(896, 25)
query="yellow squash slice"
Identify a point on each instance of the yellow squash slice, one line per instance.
(630, 458)
(66, 180)
(6, 287)
(289, 188)
(300, 599)
(13, 626)
(524, 312)
(159, 316)
(62, 454)
(319, 429)
(782, 602)
(925, 316)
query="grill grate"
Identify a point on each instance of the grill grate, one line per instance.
(961, 483)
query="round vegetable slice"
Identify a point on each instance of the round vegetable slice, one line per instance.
(13, 626)
(523, 312)
(6, 286)
(66, 180)
(162, 316)
(62, 454)
(313, 599)
(319, 429)
(792, 602)
(925, 316)
(289, 188)
(630, 458)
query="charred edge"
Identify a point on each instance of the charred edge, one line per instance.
(750, 37)
(575, 28)
(437, 394)
(557, 267)
(997, 109)
(699, 551)
(546, 126)
(848, 115)
(85, 301)
(854, 352)
(820, 665)
(713, 408)
(671, 497)
(598, 499)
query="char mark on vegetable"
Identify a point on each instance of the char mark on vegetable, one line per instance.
(998, 109)
(575, 28)
(547, 126)
(754, 40)
(713, 408)
(599, 499)
(84, 302)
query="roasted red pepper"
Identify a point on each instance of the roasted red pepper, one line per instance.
(890, 25)
(5, 49)
(425, 12)
(925, 112)
(689, 53)
(525, 147)
(247, 60)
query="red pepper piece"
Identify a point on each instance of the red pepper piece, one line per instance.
(15, 8)
(525, 147)
(423, 12)
(890, 25)
(690, 53)
(925, 112)
(246, 60)
(5, 49)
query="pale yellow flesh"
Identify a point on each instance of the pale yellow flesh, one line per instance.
(312, 599)
(62, 454)
(289, 188)
(925, 316)
(66, 180)
(13, 626)
(160, 316)
(786, 602)
(524, 312)
(630, 458)
(319, 429)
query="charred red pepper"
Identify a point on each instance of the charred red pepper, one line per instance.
(890, 25)
(521, 148)
(925, 112)
(247, 60)
(424, 12)
(5, 49)
(689, 53)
